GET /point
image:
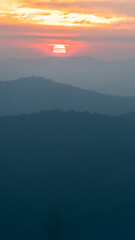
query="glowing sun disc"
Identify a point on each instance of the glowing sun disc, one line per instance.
(59, 49)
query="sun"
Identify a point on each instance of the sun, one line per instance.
(59, 49)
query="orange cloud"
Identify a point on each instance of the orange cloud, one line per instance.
(115, 7)
(57, 17)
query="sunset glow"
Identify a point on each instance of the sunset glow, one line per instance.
(91, 22)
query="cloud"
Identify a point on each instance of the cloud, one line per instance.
(57, 17)
(118, 7)
(68, 13)
(76, 34)
(114, 7)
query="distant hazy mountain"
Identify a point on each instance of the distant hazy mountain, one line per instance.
(33, 94)
(67, 175)
(114, 77)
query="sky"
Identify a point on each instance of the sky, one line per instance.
(97, 28)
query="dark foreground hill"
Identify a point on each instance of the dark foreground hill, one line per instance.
(35, 94)
(67, 175)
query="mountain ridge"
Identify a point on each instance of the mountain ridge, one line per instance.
(35, 94)
(80, 164)
(113, 77)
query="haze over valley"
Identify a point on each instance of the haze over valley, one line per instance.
(109, 77)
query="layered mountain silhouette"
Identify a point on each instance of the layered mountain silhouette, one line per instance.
(80, 165)
(34, 94)
(113, 77)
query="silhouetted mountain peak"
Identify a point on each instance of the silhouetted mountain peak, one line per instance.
(34, 94)
(32, 79)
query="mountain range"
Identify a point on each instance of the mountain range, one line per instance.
(67, 175)
(112, 77)
(34, 94)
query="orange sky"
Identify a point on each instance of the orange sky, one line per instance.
(104, 29)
